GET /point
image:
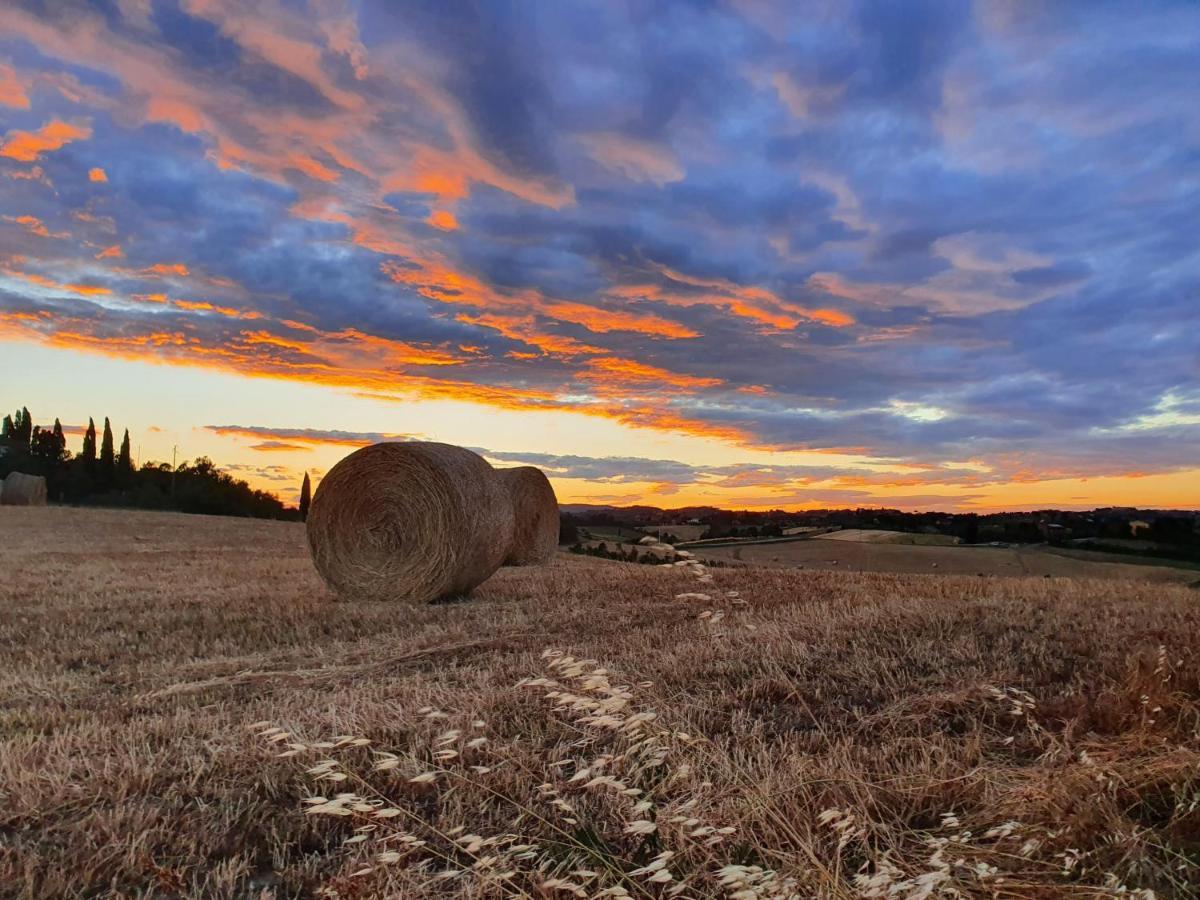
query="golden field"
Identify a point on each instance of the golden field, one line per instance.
(580, 730)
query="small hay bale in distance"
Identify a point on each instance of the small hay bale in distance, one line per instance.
(417, 521)
(20, 489)
(535, 516)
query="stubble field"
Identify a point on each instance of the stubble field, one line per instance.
(581, 729)
(828, 552)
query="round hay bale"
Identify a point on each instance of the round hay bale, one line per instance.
(535, 516)
(412, 522)
(23, 490)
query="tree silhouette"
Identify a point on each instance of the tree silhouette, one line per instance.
(49, 448)
(108, 459)
(24, 429)
(124, 461)
(305, 497)
(88, 454)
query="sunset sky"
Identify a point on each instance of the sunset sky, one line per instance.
(750, 254)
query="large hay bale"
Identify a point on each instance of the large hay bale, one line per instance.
(535, 515)
(23, 490)
(417, 521)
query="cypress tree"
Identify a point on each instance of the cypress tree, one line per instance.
(107, 456)
(59, 437)
(25, 435)
(89, 447)
(305, 497)
(124, 460)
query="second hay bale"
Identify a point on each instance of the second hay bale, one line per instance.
(19, 489)
(535, 516)
(418, 521)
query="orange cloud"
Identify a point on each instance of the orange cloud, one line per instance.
(267, 39)
(277, 447)
(437, 280)
(12, 92)
(49, 283)
(309, 436)
(167, 269)
(745, 301)
(611, 367)
(97, 174)
(27, 146)
(312, 168)
(605, 320)
(113, 252)
(88, 290)
(34, 225)
(833, 317)
(204, 306)
(443, 219)
(352, 360)
(176, 111)
(524, 329)
(34, 174)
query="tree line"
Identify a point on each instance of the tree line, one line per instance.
(105, 475)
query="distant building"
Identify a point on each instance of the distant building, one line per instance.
(1053, 532)
(1137, 526)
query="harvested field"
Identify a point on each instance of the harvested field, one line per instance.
(1011, 562)
(876, 536)
(823, 734)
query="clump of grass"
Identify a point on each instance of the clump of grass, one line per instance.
(608, 806)
(612, 802)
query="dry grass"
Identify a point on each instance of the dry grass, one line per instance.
(876, 536)
(821, 734)
(1006, 562)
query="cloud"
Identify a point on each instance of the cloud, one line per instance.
(937, 236)
(636, 159)
(276, 446)
(12, 91)
(27, 146)
(283, 436)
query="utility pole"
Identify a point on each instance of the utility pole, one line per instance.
(174, 453)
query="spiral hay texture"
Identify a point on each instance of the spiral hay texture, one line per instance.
(418, 521)
(20, 489)
(535, 515)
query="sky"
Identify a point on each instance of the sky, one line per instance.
(919, 255)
